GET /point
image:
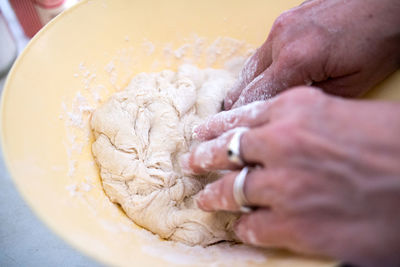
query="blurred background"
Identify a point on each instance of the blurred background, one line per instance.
(24, 240)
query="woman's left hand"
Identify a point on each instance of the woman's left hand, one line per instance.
(327, 180)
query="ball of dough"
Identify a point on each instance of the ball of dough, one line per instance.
(141, 132)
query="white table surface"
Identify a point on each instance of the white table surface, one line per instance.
(24, 239)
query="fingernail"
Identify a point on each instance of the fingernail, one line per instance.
(198, 200)
(237, 228)
(227, 104)
(203, 196)
(207, 190)
(195, 132)
(251, 237)
(243, 232)
(247, 236)
(195, 136)
(236, 225)
(184, 162)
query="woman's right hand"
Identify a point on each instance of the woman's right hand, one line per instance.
(343, 47)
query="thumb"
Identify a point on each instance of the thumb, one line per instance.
(270, 83)
(254, 66)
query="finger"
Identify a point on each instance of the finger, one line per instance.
(346, 86)
(262, 188)
(266, 228)
(218, 195)
(211, 155)
(255, 65)
(250, 115)
(260, 88)
(267, 85)
(293, 67)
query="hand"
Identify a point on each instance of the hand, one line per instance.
(328, 175)
(344, 47)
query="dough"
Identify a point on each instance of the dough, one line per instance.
(141, 132)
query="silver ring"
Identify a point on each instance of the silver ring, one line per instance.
(238, 191)
(234, 148)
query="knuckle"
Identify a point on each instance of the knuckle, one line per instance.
(298, 96)
(278, 129)
(289, 127)
(284, 20)
(300, 48)
(288, 138)
(295, 191)
(294, 54)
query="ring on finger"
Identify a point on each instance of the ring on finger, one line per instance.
(234, 148)
(238, 191)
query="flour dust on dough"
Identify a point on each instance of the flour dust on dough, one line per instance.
(140, 134)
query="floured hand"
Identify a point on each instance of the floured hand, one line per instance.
(328, 175)
(343, 47)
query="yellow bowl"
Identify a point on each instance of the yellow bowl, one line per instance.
(78, 60)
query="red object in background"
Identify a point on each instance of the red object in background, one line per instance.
(49, 3)
(34, 14)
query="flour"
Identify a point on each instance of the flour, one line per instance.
(72, 188)
(77, 130)
(219, 48)
(71, 167)
(148, 47)
(181, 51)
(223, 122)
(80, 108)
(110, 67)
(249, 70)
(204, 150)
(76, 116)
